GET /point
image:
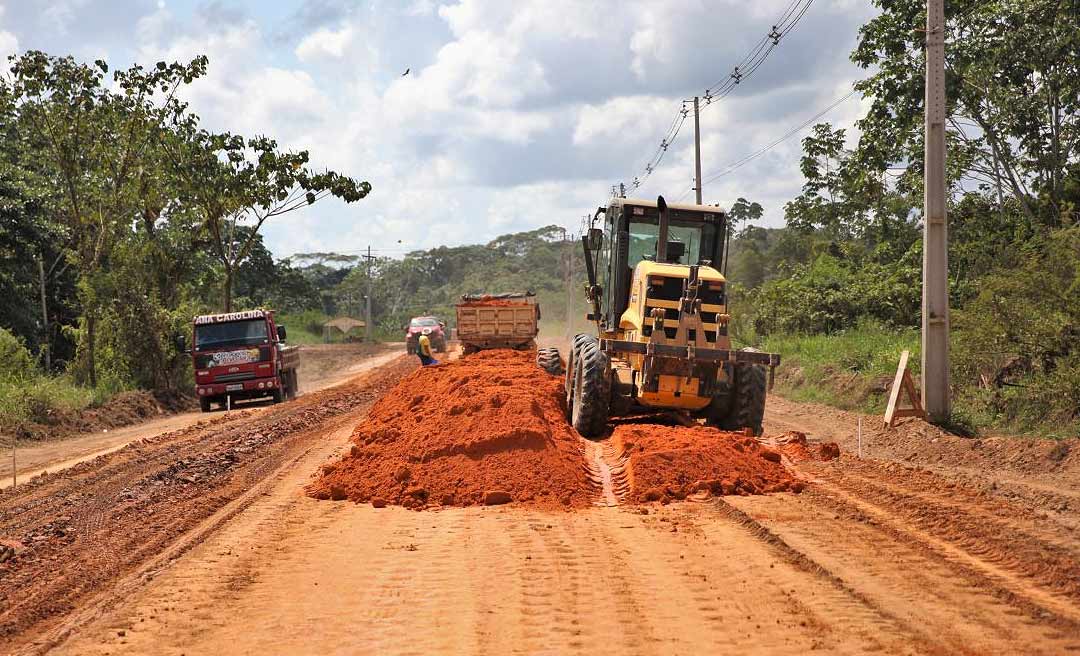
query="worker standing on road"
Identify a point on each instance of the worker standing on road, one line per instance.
(423, 349)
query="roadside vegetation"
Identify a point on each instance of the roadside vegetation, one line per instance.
(838, 289)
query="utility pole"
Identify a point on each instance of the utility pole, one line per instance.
(935, 296)
(697, 150)
(569, 286)
(44, 315)
(367, 302)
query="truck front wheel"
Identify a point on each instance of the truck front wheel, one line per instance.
(204, 404)
(277, 395)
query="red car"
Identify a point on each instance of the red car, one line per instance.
(430, 326)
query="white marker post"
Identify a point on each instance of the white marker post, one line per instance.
(860, 437)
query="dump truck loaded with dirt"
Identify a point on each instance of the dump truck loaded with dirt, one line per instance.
(493, 321)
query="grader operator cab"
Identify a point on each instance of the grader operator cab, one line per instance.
(659, 303)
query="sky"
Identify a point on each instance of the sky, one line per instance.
(515, 114)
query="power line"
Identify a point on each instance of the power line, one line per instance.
(721, 89)
(739, 163)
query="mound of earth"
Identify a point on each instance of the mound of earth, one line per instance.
(487, 429)
(124, 409)
(672, 462)
(795, 445)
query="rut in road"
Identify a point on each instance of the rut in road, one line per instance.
(85, 527)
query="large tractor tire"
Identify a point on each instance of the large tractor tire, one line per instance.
(592, 389)
(571, 361)
(549, 360)
(747, 407)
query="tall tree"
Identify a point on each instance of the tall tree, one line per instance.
(1013, 84)
(238, 184)
(92, 140)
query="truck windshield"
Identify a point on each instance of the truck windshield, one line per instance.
(421, 323)
(691, 235)
(232, 333)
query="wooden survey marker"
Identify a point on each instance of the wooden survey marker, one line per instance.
(903, 382)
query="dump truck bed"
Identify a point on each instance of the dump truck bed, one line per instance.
(497, 322)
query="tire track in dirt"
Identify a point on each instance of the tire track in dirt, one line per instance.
(1025, 560)
(87, 527)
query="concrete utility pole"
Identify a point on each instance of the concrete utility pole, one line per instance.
(45, 341)
(367, 301)
(935, 296)
(697, 150)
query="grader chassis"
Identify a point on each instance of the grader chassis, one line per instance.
(662, 342)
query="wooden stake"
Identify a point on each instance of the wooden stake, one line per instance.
(904, 382)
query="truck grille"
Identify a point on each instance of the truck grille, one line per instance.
(229, 378)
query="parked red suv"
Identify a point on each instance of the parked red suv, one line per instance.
(430, 326)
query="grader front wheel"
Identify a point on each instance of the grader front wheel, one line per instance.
(591, 395)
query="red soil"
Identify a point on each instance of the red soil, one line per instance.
(486, 429)
(795, 446)
(673, 462)
(493, 302)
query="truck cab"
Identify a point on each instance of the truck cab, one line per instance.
(241, 355)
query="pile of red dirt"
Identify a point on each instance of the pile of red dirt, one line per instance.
(489, 301)
(483, 430)
(673, 462)
(124, 409)
(795, 446)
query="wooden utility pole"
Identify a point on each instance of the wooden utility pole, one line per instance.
(697, 151)
(935, 296)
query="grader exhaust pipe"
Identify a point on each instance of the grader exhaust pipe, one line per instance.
(662, 231)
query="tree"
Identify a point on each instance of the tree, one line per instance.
(92, 141)
(238, 184)
(1013, 85)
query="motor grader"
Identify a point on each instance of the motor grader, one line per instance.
(659, 302)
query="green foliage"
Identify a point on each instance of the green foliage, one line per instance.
(833, 293)
(16, 363)
(850, 369)
(1013, 85)
(1017, 342)
(303, 327)
(431, 282)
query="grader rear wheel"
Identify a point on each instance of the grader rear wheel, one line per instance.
(549, 360)
(747, 407)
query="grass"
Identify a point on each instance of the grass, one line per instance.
(303, 327)
(851, 370)
(854, 369)
(34, 398)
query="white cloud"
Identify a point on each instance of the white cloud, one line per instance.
(324, 44)
(513, 115)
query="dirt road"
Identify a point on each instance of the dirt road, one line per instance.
(877, 555)
(321, 366)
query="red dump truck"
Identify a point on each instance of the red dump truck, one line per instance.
(241, 355)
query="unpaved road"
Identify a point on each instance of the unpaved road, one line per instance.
(321, 366)
(875, 556)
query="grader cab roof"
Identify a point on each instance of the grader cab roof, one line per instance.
(685, 207)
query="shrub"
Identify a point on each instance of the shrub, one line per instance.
(16, 363)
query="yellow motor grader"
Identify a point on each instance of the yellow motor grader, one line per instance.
(659, 302)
